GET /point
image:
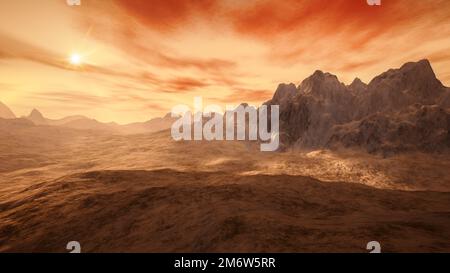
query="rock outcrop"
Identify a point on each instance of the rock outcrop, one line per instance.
(399, 110)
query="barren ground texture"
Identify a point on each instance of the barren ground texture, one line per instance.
(148, 193)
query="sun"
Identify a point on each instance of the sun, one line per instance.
(75, 59)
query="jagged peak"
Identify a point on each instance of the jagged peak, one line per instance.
(285, 91)
(168, 116)
(244, 105)
(357, 81)
(357, 85)
(423, 64)
(412, 71)
(319, 74)
(36, 117)
(35, 113)
(285, 85)
(5, 112)
(320, 82)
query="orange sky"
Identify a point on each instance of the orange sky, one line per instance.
(142, 57)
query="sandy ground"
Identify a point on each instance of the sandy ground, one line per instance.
(149, 193)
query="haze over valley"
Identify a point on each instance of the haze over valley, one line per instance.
(357, 163)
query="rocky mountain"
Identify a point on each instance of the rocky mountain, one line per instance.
(73, 122)
(284, 93)
(357, 86)
(66, 120)
(5, 112)
(422, 127)
(320, 102)
(153, 125)
(37, 118)
(401, 109)
(399, 88)
(7, 125)
(83, 123)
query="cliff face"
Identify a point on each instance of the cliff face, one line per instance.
(399, 88)
(401, 109)
(419, 127)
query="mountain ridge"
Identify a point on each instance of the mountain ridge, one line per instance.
(323, 112)
(5, 112)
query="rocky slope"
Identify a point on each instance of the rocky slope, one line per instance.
(419, 127)
(83, 123)
(401, 109)
(5, 112)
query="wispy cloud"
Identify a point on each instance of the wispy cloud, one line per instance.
(157, 53)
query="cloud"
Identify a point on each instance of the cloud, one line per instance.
(168, 15)
(358, 65)
(213, 64)
(323, 31)
(73, 97)
(242, 95)
(271, 18)
(159, 52)
(184, 84)
(16, 49)
(439, 56)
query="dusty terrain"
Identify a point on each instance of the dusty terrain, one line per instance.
(359, 163)
(149, 193)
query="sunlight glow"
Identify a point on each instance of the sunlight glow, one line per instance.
(75, 59)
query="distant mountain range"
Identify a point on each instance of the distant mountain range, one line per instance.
(401, 109)
(5, 112)
(84, 123)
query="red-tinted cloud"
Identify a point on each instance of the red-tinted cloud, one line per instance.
(166, 15)
(266, 19)
(295, 24)
(201, 64)
(242, 95)
(185, 84)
